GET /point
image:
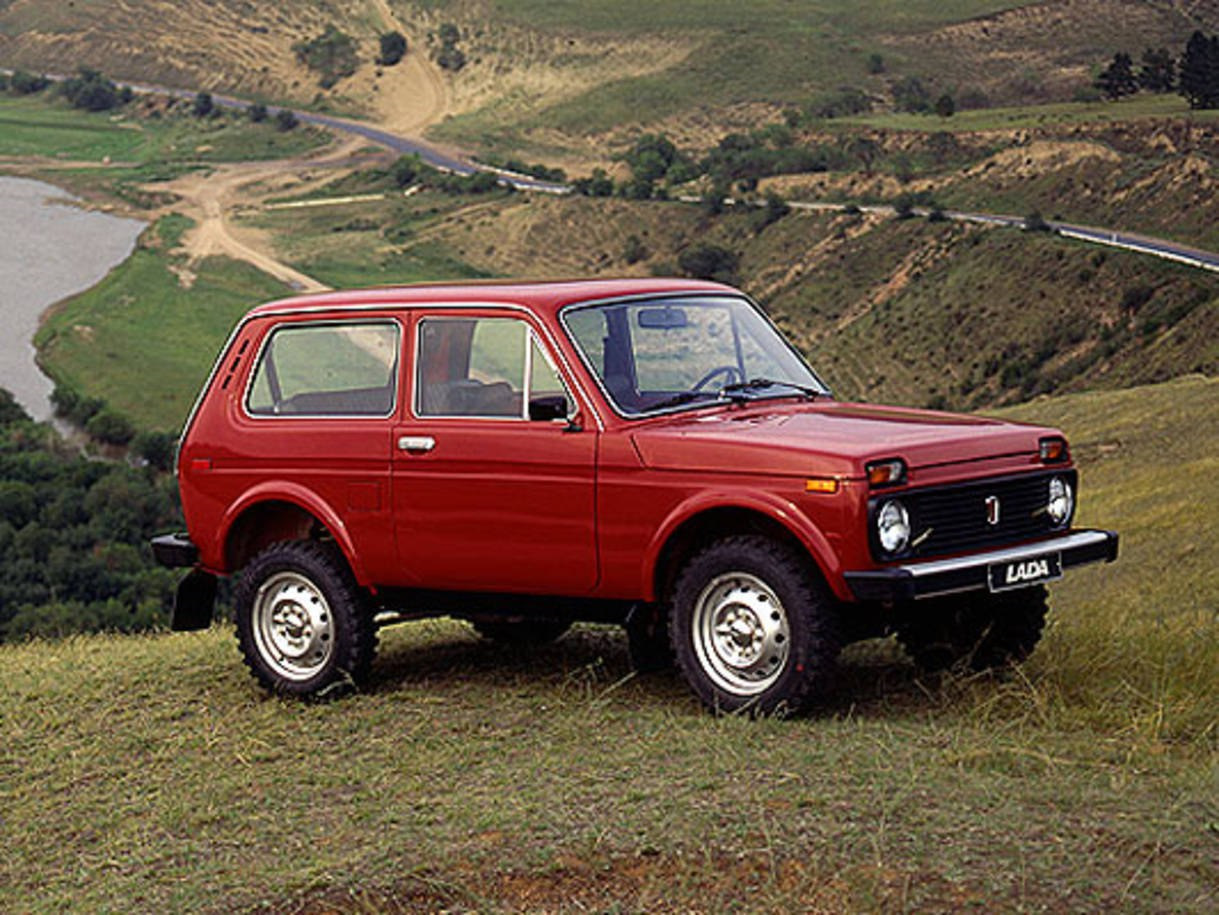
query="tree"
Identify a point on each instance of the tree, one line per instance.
(1198, 73)
(110, 427)
(1158, 71)
(257, 112)
(331, 54)
(448, 55)
(945, 106)
(203, 105)
(709, 262)
(24, 83)
(285, 120)
(91, 91)
(156, 448)
(406, 170)
(1117, 79)
(598, 184)
(911, 95)
(393, 48)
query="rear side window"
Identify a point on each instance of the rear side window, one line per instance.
(332, 369)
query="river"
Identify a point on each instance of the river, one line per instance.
(50, 248)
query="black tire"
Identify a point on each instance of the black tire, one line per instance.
(647, 639)
(521, 631)
(303, 624)
(753, 626)
(975, 631)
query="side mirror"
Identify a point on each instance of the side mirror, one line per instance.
(549, 408)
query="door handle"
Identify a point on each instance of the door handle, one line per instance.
(416, 443)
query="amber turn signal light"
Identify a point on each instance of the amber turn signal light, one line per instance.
(888, 472)
(1052, 450)
(821, 484)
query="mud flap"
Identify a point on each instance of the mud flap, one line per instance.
(194, 602)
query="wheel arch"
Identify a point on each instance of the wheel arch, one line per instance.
(270, 513)
(694, 525)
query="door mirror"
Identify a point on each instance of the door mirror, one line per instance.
(548, 407)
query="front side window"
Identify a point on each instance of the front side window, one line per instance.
(489, 367)
(653, 355)
(327, 369)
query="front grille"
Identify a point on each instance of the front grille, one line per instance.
(953, 519)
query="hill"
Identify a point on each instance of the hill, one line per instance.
(147, 773)
(543, 74)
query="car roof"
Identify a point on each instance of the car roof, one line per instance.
(545, 297)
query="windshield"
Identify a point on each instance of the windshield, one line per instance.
(658, 354)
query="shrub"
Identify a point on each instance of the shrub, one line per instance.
(24, 83)
(393, 48)
(91, 91)
(203, 105)
(257, 112)
(709, 262)
(156, 448)
(286, 120)
(110, 427)
(634, 250)
(332, 55)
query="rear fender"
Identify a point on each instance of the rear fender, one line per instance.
(308, 501)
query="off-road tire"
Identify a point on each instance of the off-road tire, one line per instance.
(975, 631)
(303, 624)
(647, 639)
(753, 626)
(521, 632)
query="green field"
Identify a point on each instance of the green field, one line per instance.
(150, 773)
(42, 125)
(142, 340)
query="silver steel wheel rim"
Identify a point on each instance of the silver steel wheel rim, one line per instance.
(741, 634)
(293, 626)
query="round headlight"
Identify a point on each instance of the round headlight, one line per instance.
(1062, 500)
(893, 527)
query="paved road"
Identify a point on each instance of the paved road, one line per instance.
(1143, 244)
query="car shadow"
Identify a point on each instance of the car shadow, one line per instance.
(591, 663)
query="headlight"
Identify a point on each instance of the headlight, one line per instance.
(893, 527)
(1062, 500)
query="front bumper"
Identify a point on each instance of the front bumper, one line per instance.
(916, 580)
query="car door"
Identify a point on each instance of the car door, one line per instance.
(493, 481)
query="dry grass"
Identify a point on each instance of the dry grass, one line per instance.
(148, 773)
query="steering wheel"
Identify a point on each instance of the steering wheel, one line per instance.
(730, 372)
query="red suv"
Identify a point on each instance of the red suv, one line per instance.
(645, 452)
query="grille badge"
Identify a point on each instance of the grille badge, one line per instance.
(992, 510)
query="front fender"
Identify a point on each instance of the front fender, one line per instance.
(306, 500)
(773, 507)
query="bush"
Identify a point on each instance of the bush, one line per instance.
(91, 91)
(11, 411)
(203, 105)
(393, 48)
(599, 184)
(709, 262)
(257, 112)
(331, 54)
(110, 427)
(634, 250)
(155, 448)
(448, 56)
(23, 83)
(286, 120)
(406, 170)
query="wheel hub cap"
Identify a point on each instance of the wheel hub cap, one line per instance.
(293, 628)
(741, 633)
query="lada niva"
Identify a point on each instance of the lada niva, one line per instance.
(646, 452)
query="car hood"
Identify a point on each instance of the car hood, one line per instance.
(828, 438)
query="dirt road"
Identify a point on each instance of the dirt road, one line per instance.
(410, 96)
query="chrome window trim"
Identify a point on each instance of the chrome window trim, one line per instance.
(660, 297)
(389, 320)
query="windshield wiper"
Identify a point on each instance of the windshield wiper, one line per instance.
(678, 399)
(761, 384)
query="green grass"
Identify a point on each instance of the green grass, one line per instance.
(149, 773)
(1135, 108)
(43, 125)
(142, 340)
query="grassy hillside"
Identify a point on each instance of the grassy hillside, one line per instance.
(148, 773)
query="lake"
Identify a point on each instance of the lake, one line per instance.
(50, 248)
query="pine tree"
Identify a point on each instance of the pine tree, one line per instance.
(1198, 74)
(1158, 71)
(1117, 79)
